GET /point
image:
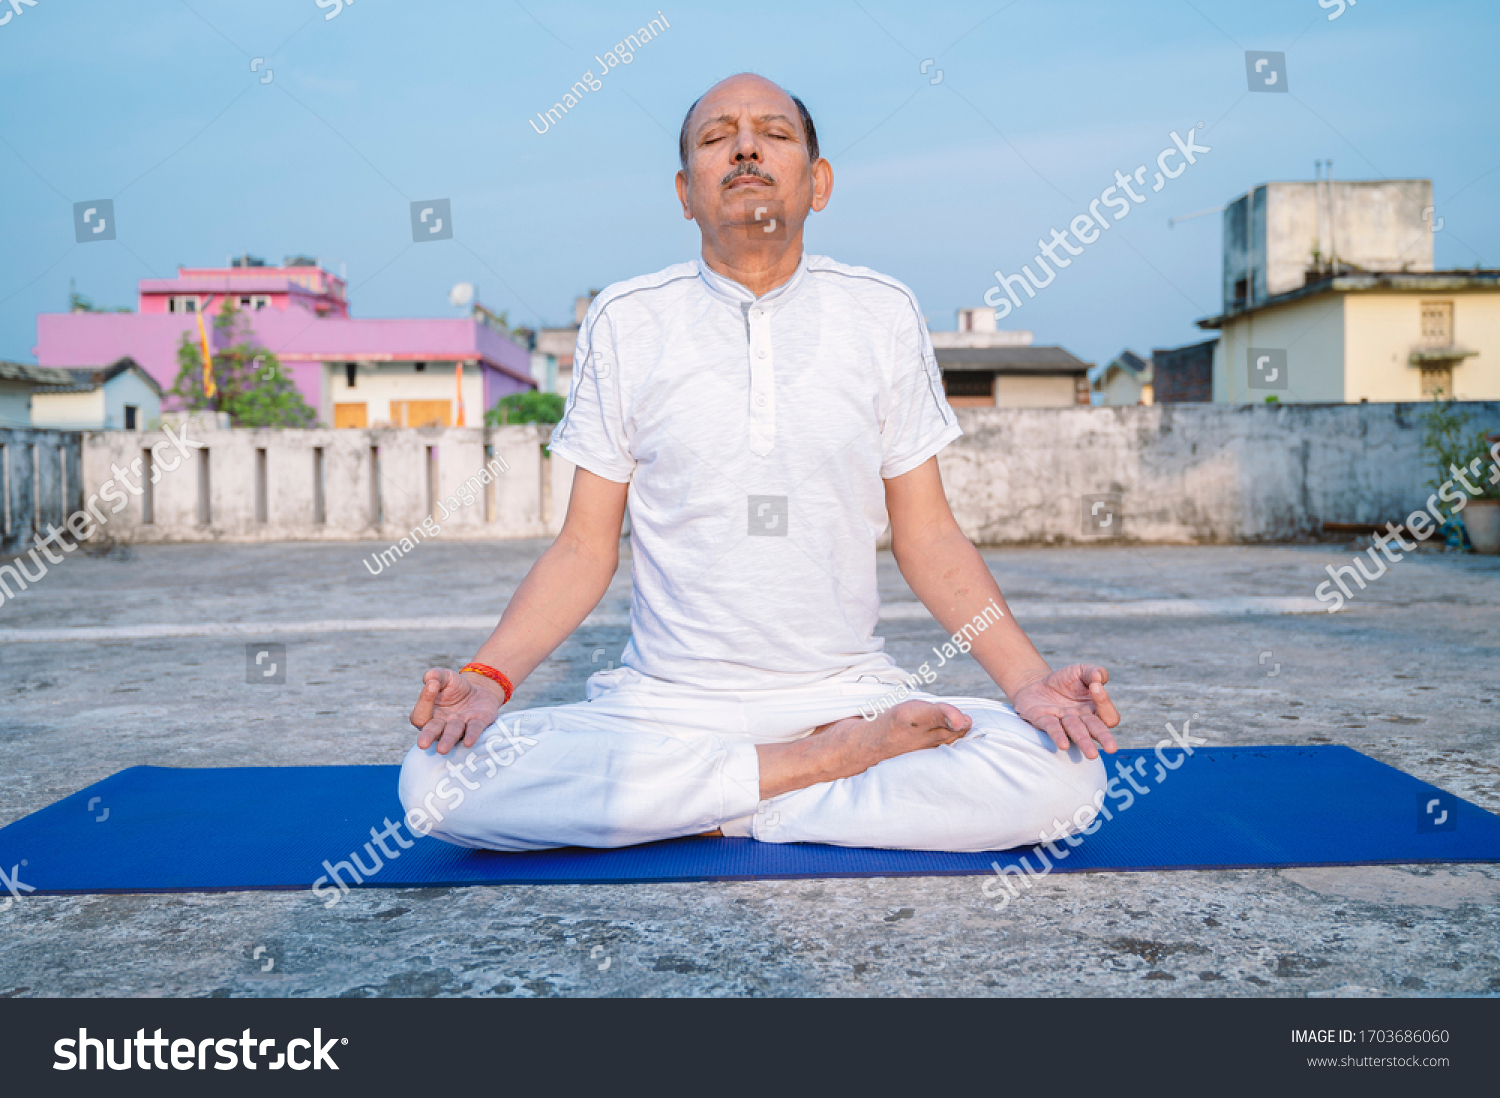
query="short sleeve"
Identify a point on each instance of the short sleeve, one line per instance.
(592, 432)
(919, 421)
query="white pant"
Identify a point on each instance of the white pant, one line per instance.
(644, 760)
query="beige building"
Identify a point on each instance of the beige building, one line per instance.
(985, 367)
(18, 381)
(1358, 337)
(1329, 295)
(376, 392)
(1013, 377)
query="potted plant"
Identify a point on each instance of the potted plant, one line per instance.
(1482, 515)
(1455, 448)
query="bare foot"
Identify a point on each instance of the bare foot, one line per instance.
(853, 745)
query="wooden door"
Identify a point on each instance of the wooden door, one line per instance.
(350, 415)
(421, 413)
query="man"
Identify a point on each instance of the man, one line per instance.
(763, 413)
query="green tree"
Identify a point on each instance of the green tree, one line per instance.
(1450, 443)
(251, 385)
(528, 407)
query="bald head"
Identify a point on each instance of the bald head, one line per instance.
(739, 83)
(750, 176)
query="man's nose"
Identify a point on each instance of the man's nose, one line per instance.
(746, 146)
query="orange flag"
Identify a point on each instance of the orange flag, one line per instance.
(209, 388)
(458, 380)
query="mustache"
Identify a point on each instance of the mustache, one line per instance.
(747, 168)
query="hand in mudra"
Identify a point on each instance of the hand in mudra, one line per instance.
(453, 709)
(1072, 706)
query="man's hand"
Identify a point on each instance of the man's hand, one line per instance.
(454, 708)
(1071, 704)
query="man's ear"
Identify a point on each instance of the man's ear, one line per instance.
(682, 195)
(822, 173)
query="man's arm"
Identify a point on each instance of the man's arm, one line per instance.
(947, 573)
(565, 583)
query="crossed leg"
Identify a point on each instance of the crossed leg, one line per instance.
(636, 765)
(1003, 784)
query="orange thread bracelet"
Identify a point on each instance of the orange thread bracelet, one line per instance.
(493, 675)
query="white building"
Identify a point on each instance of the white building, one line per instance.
(118, 397)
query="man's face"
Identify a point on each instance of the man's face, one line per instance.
(748, 181)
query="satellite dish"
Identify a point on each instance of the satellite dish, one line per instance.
(461, 294)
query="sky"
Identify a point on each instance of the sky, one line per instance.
(959, 134)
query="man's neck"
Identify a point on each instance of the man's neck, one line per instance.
(759, 272)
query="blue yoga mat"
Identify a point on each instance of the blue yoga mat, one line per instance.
(157, 829)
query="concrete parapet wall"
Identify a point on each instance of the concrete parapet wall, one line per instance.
(1200, 473)
(1185, 473)
(336, 485)
(41, 483)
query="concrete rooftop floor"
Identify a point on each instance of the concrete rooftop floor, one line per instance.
(1407, 674)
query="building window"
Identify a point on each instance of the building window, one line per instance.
(969, 383)
(1437, 380)
(419, 366)
(182, 304)
(351, 374)
(131, 412)
(1437, 327)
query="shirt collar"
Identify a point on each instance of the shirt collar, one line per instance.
(730, 290)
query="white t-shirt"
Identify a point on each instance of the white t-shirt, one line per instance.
(754, 434)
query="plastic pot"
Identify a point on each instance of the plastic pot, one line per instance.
(1482, 521)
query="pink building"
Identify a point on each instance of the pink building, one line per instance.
(300, 283)
(355, 372)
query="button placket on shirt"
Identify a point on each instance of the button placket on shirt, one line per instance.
(762, 381)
